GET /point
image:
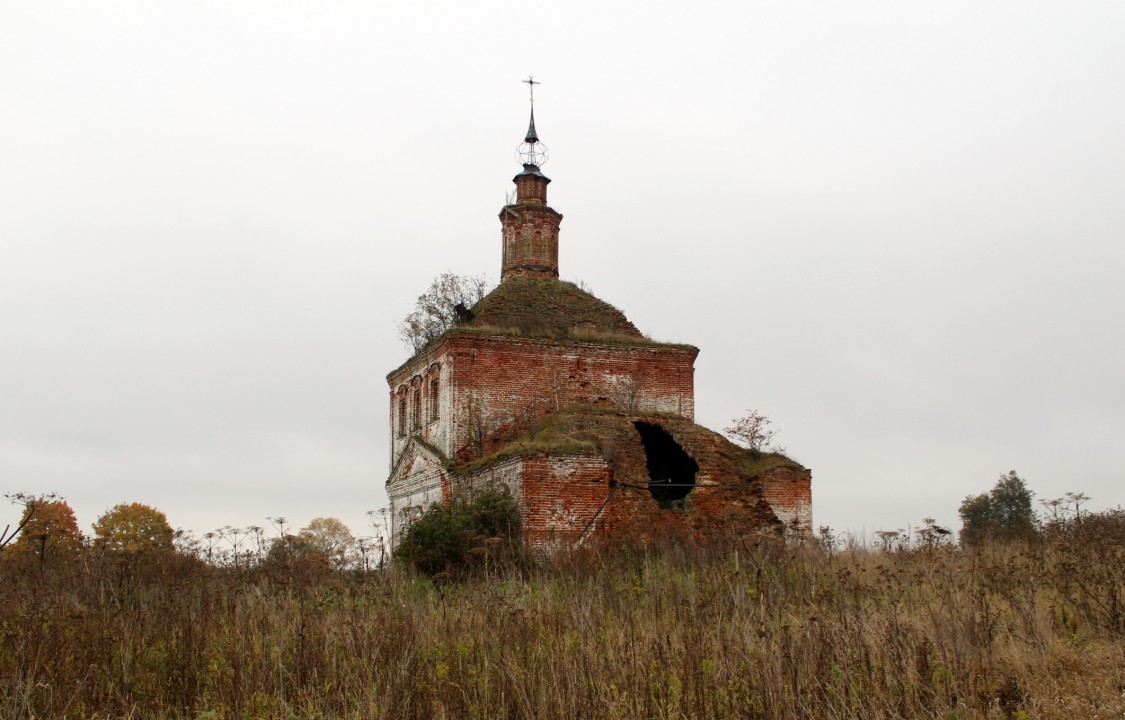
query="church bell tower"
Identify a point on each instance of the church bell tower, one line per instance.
(530, 228)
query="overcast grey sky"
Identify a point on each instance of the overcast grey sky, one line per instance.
(894, 227)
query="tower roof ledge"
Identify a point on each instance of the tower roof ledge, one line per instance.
(531, 170)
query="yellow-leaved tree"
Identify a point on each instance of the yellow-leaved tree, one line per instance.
(133, 527)
(329, 536)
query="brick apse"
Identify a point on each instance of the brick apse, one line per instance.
(552, 393)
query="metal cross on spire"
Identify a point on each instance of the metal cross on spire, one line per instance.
(532, 137)
(531, 83)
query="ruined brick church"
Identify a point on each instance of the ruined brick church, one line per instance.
(552, 393)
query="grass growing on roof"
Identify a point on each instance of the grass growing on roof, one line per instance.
(575, 335)
(548, 306)
(584, 430)
(545, 308)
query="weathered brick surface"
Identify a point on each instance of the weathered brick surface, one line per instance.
(728, 496)
(560, 496)
(492, 388)
(417, 481)
(566, 498)
(504, 385)
(789, 493)
(530, 231)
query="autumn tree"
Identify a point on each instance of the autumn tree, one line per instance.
(436, 309)
(752, 430)
(329, 536)
(133, 527)
(1006, 509)
(50, 528)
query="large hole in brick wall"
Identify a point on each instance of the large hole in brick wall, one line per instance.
(671, 471)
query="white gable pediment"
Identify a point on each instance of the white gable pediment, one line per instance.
(415, 458)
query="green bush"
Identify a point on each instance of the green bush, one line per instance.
(463, 535)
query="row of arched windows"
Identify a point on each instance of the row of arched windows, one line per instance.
(422, 392)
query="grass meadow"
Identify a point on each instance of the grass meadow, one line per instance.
(749, 628)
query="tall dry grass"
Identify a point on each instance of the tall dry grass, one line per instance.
(748, 629)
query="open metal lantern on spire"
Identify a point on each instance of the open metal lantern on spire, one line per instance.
(531, 151)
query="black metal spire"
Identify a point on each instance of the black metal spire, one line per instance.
(532, 137)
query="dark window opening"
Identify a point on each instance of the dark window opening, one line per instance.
(671, 471)
(435, 399)
(402, 417)
(416, 410)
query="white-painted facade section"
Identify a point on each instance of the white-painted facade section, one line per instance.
(420, 481)
(416, 483)
(422, 403)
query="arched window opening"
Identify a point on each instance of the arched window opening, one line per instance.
(416, 419)
(671, 471)
(435, 399)
(406, 518)
(402, 417)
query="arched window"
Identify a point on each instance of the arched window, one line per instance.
(416, 420)
(524, 251)
(435, 398)
(402, 416)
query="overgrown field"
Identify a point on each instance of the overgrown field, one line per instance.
(749, 629)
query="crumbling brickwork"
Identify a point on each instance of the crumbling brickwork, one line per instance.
(611, 491)
(491, 389)
(789, 493)
(505, 385)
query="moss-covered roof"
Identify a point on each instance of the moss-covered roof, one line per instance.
(609, 433)
(548, 307)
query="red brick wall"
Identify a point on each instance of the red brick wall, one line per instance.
(502, 383)
(789, 492)
(531, 188)
(561, 496)
(530, 237)
(712, 508)
(569, 498)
